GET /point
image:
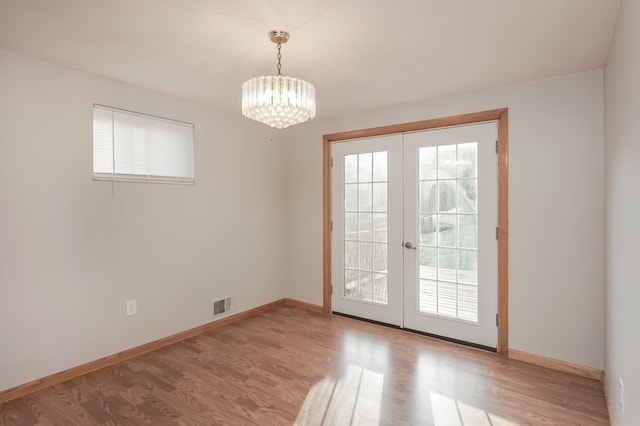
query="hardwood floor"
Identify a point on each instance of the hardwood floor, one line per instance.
(290, 366)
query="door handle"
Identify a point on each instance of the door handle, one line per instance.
(409, 245)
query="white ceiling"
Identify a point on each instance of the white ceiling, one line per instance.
(360, 54)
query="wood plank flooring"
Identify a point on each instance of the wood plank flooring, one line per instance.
(290, 366)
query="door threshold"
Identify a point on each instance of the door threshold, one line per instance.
(423, 333)
(385, 324)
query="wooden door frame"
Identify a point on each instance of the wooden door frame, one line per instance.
(501, 116)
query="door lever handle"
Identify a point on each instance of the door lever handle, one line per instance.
(409, 245)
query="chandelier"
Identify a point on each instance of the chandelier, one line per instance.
(276, 100)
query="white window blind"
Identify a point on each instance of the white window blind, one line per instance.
(129, 146)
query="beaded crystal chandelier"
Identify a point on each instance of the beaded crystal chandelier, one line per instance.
(276, 100)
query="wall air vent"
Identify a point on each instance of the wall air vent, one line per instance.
(221, 306)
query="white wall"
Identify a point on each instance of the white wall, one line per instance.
(622, 176)
(71, 254)
(556, 203)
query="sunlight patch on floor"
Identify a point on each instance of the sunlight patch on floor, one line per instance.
(353, 399)
(450, 412)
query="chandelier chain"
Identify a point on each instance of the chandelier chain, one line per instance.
(279, 57)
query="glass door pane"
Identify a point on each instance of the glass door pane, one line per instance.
(365, 239)
(448, 272)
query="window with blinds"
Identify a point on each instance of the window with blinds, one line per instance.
(130, 146)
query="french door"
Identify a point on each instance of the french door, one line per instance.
(414, 231)
(367, 220)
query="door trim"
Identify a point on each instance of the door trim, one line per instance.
(501, 117)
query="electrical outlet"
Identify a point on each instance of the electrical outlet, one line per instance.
(132, 307)
(621, 390)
